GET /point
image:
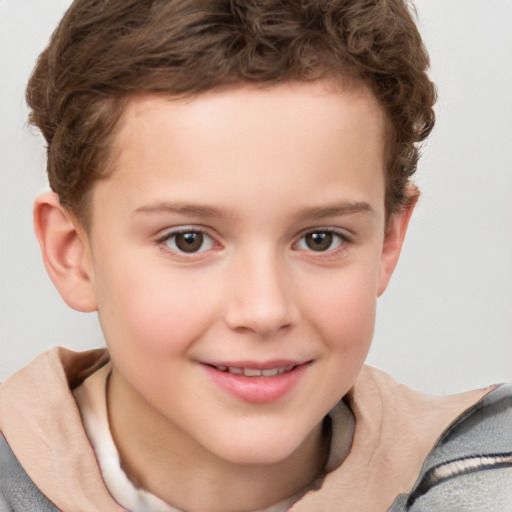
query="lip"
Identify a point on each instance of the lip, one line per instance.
(260, 389)
(257, 365)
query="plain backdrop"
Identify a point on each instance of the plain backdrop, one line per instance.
(445, 323)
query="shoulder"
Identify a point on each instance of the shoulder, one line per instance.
(17, 491)
(470, 466)
(43, 448)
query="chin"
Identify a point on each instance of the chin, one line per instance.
(249, 458)
(257, 451)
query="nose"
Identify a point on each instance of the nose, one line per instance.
(261, 298)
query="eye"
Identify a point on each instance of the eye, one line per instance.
(321, 241)
(190, 241)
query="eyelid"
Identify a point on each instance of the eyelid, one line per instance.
(343, 232)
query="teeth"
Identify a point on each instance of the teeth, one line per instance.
(250, 372)
(254, 372)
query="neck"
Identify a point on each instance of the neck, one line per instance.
(160, 458)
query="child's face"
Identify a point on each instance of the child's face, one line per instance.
(244, 229)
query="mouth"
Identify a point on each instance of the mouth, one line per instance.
(255, 372)
(257, 382)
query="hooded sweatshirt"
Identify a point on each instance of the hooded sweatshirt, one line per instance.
(396, 429)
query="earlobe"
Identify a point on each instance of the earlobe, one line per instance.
(394, 239)
(65, 252)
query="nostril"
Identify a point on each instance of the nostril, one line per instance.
(263, 326)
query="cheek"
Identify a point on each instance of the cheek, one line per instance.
(345, 311)
(345, 319)
(156, 313)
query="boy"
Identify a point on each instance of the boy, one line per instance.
(231, 193)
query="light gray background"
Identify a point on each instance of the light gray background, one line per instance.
(444, 325)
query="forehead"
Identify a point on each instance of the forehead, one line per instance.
(258, 105)
(249, 141)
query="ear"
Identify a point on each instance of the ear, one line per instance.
(65, 250)
(394, 238)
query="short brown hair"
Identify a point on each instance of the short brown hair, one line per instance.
(105, 51)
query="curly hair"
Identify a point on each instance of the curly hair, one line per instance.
(105, 51)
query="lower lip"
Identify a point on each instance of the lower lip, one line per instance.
(257, 390)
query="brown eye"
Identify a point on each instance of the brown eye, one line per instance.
(321, 241)
(189, 242)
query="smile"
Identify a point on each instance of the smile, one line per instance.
(255, 372)
(257, 382)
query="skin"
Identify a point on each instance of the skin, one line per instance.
(256, 170)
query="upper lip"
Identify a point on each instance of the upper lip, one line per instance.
(257, 365)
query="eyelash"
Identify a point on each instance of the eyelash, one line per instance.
(163, 240)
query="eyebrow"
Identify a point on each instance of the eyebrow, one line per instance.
(199, 210)
(335, 210)
(193, 210)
